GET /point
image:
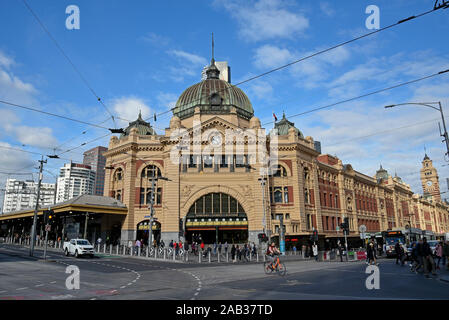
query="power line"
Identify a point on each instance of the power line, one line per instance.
(84, 143)
(365, 95)
(52, 114)
(313, 55)
(69, 60)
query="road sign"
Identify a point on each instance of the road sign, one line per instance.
(362, 228)
(362, 236)
(337, 228)
(47, 227)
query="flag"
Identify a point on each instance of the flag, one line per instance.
(275, 118)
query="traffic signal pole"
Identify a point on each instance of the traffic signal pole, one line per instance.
(33, 230)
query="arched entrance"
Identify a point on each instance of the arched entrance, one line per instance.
(216, 217)
(143, 233)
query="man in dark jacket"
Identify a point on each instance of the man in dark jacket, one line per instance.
(427, 258)
(398, 250)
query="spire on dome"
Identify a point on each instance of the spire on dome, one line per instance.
(212, 72)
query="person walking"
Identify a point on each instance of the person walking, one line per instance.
(371, 253)
(233, 250)
(446, 254)
(398, 250)
(340, 251)
(439, 254)
(427, 258)
(239, 253)
(315, 251)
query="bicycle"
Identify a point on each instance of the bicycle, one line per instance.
(278, 267)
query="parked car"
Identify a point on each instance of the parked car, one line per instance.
(78, 247)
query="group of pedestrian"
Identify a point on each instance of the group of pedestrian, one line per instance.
(176, 246)
(423, 257)
(244, 252)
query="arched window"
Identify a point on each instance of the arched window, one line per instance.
(280, 171)
(151, 171)
(118, 174)
(278, 195)
(306, 174)
(216, 204)
(306, 195)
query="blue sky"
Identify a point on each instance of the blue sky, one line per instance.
(141, 56)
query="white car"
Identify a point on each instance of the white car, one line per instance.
(78, 247)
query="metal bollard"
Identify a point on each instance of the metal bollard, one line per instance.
(110, 249)
(174, 254)
(156, 249)
(218, 256)
(200, 253)
(148, 251)
(257, 256)
(124, 249)
(118, 247)
(165, 253)
(104, 248)
(209, 256)
(138, 251)
(227, 256)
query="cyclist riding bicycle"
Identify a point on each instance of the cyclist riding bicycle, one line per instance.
(271, 252)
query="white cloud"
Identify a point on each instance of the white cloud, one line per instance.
(13, 160)
(6, 61)
(190, 57)
(326, 9)
(128, 109)
(12, 88)
(155, 39)
(265, 19)
(167, 100)
(41, 137)
(269, 56)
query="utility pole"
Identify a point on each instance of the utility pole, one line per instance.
(33, 230)
(151, 207)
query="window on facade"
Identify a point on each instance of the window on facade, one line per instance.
(208, 161)
(285, 194)
(151, 171)
(280, 172)
(306, 196)
(306, 174)
(278, 216)
(192, 161)
(118, 175)
(223, 162)
(119, 195)
(324, 199)
(336, 201)
(278, 195)
(239, 161)
(216, 204)
(287, 216)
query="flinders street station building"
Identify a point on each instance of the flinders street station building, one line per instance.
(215, 172)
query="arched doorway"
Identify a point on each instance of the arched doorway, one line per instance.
(143, 233)
(216, 217)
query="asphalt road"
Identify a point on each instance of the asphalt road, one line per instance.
(111, 277)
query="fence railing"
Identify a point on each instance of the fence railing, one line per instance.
(197, 255)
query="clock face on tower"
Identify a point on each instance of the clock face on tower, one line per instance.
(429, 183)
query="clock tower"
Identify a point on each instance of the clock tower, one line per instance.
(429, 180)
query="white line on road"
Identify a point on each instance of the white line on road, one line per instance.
(22, 288)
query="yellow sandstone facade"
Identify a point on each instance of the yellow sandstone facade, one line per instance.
(220, 195)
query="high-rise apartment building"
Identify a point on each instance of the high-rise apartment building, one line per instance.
(95, 159)
(75, 179)
(21, 195)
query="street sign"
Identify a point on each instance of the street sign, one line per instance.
(47, 227)
(147, 216)
(362, 236)
(337, 228)
(362, 228)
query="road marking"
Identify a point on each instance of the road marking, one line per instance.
(22, 288)
(53, 282)
(39, 285)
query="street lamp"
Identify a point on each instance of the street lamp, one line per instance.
(430, 105)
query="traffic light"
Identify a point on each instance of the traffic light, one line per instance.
(345, 226)
(262, 237)
(49, 216)
(315, 235)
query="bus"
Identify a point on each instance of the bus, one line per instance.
(391, 238)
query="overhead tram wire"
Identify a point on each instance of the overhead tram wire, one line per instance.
(364, 95)
(70, 61)
(444, 6)
(53, 114)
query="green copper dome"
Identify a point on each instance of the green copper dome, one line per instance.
(284, 125)
(143, 128)
(213, 96)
